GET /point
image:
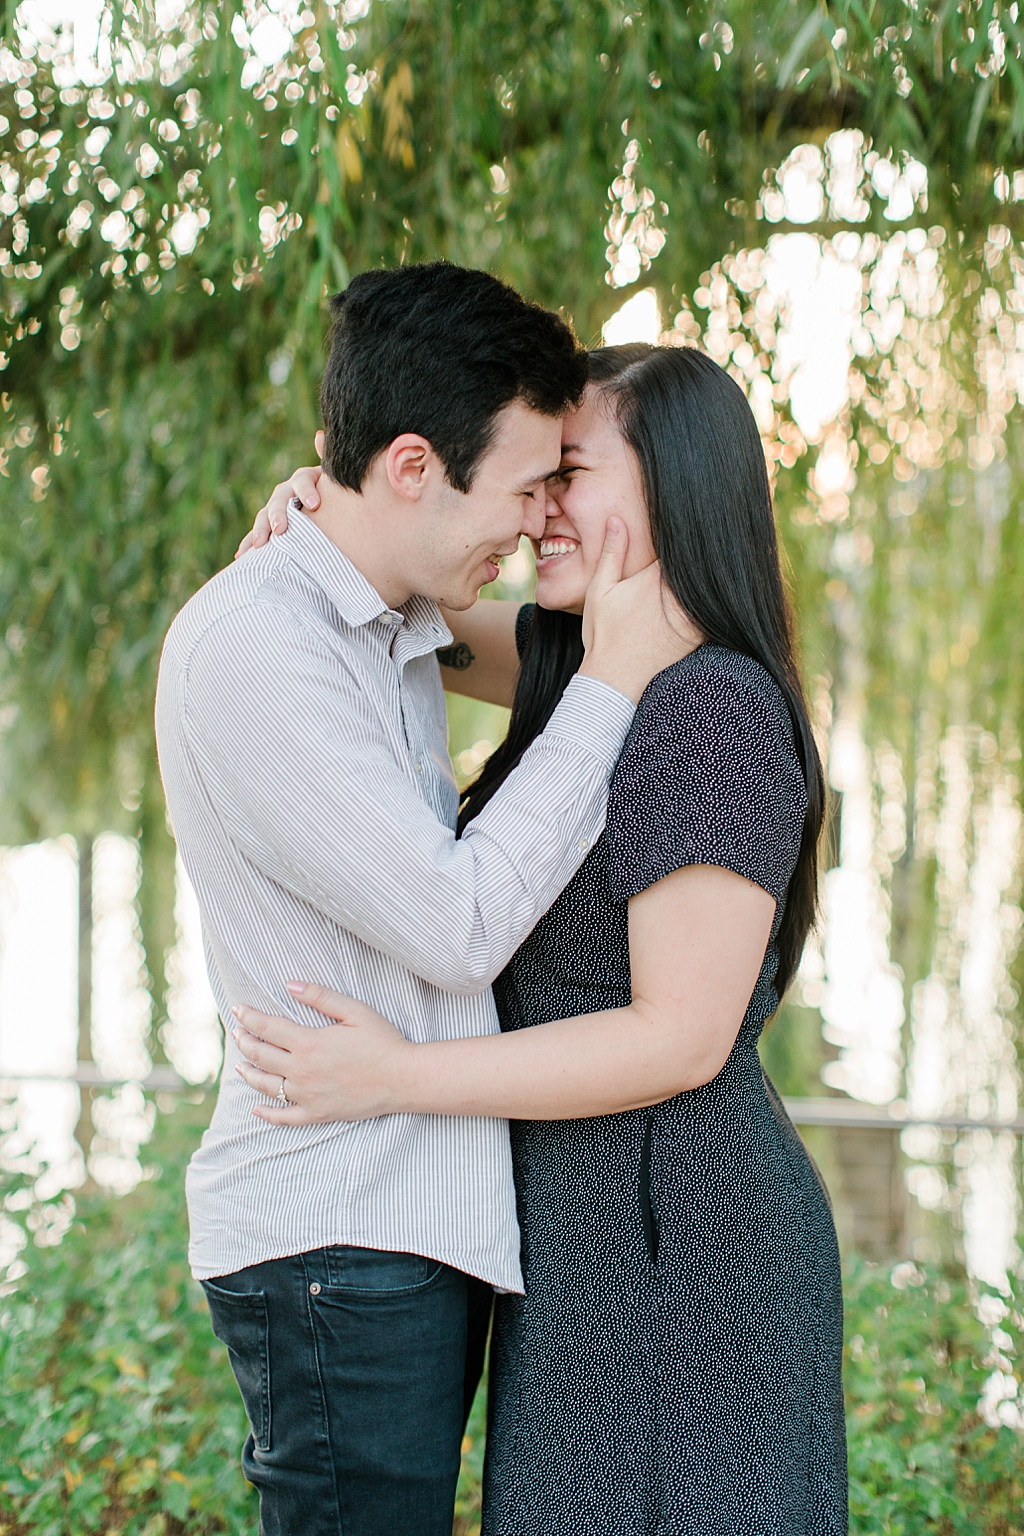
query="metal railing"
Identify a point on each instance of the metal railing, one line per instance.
(850, 1114)
(837, 1113)
(87, 1074)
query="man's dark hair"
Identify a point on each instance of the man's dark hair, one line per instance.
(438, 350)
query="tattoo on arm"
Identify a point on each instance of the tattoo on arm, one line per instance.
(458, 657)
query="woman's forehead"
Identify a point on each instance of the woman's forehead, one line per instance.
(592, 421)
(597, 437)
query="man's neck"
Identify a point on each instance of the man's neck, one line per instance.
(357, 526)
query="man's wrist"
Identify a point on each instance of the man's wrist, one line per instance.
(594, 715)
(615, 674)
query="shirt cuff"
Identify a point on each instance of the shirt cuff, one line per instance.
(594, 715)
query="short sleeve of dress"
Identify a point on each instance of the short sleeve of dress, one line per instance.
(709, 775)
(524, 623)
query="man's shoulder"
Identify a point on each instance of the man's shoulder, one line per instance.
(256, 600)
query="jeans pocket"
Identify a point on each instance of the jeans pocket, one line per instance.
(375, 1269)
(240, 1321)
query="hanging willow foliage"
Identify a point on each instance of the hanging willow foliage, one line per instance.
(179, 192)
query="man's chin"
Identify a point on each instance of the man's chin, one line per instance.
(458, 602)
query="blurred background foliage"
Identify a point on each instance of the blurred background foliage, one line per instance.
(182, 184)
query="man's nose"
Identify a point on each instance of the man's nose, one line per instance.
(535, 514)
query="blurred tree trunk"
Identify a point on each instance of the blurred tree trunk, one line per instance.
(156, 902)
(85, 1129)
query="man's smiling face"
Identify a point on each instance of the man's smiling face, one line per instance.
(475, 530)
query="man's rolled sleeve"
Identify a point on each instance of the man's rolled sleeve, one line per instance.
(594, 715)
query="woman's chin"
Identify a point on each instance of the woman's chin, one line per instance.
(554, 591)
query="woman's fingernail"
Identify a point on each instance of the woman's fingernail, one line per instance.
(295, 987)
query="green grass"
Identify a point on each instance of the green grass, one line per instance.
(119, 1415)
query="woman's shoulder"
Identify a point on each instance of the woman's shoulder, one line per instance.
(722, 690)
(710, 774)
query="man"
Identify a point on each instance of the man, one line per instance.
(301, 729)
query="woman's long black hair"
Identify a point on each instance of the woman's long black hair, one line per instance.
(713, 528)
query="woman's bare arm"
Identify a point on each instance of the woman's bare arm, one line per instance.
(697, 942)
(482, 662)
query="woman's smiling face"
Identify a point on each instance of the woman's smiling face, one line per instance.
(598, 478)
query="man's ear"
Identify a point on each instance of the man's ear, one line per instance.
(408, 464)
(318, 444)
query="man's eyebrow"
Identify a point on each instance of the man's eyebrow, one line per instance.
(571, 448)
(538, 479)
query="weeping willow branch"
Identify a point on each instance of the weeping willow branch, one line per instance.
(177, 197)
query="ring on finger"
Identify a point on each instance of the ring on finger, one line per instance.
(282, 1096)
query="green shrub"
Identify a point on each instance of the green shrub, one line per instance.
(922, 1459)
(119, 1415)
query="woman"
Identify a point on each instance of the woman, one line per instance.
(674, 1366)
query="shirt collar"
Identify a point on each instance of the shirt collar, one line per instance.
(353, 596)
(423, 630)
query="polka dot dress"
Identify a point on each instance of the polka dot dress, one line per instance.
(674, 1368)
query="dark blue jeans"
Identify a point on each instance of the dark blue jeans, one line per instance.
(357, 1369)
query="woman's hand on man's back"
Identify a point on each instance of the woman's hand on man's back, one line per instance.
(273, 518)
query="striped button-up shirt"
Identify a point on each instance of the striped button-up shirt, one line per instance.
(303, 744)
